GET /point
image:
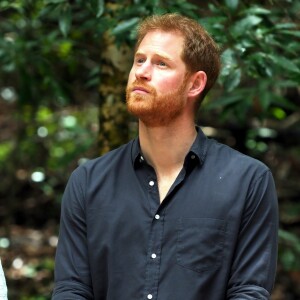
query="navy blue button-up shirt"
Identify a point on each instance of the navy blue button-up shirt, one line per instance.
(213, 237)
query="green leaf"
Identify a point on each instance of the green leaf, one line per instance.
(223, 101)
(278, 113)
(65, 20)
(256, 10)
(285, 25)
(291, 32)
(125, 25)
(287, 83)
(289, 238)
(100, 8)
(265, 98)
(54, 1)
(283, 102)
(284, 63)
(228, 61)
(97, 7)
(187, 7)
(232, 4)
(233, 80)
(248, 22)
(5, 150)
(241, 27)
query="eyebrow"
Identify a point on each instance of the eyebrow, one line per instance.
(155, 55)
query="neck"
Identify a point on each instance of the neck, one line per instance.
(165, 147)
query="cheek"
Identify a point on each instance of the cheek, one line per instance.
(131, 76)
(168, 85)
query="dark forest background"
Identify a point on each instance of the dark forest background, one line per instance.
(63, 70)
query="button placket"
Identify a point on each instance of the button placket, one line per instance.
(154, 258)
(155, 239)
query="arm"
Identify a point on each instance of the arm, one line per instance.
(72, 273)
(254, 263)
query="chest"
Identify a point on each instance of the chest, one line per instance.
(165, 183)
(165, 180)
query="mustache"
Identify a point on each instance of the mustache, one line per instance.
(141, 84)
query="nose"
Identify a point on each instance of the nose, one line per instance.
(143, 71)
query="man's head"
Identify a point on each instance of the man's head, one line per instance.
(200, 52)
(157, 85)
(176, 62)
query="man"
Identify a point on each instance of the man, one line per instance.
(172, 215)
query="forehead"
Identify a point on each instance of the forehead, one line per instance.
(162, 43)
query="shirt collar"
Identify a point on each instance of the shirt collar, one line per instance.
(136, 153)
(197, 152)
(199, 147)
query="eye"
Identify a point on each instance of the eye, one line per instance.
(139, 60)
(161, 63)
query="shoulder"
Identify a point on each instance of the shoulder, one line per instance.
(244, 177)
(235, 162)
(105, 163)
(87, 177)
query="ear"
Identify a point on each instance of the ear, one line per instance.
(197, 84)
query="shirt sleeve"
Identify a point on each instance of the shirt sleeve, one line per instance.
(72, 273)
(255, 258)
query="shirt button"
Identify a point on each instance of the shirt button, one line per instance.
(157, 217)
(151, 183)
(153, 255)
(149, 296)
(193, 156)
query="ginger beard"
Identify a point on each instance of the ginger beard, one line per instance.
(152, 109)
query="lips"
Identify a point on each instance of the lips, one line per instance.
(140, 89)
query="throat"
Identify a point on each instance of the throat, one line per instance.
(165, 182)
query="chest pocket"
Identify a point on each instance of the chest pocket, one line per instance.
(200, 243)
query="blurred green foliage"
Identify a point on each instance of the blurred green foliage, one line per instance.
(63, 70)
(259, 42)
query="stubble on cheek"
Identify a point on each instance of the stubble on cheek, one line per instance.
(156, 110)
